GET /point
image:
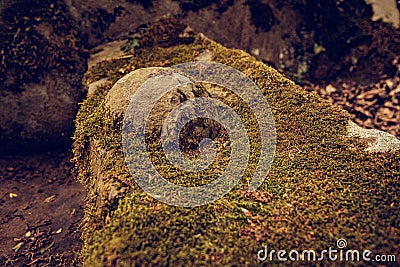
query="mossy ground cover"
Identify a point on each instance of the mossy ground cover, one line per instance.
(322, 186)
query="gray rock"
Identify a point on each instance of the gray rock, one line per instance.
(119, 96)
(40, 117)
(41, 70)
(378, 141)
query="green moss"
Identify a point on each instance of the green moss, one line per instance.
(25, 51)
(321, 187)
(164, 32)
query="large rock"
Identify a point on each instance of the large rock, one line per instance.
(322, 187)
(41, 68)
(301, 37)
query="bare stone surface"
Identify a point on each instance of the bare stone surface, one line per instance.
(386, 11)
(120, 94)
(124, 89)
(378, 141)
(40, 117)
(92, 87)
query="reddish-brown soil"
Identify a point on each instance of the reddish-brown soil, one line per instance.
(41, 207)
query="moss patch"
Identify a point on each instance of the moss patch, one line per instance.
(36, 37)
(321, 187)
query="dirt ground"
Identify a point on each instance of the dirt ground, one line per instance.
(372, 105)
(41, 206)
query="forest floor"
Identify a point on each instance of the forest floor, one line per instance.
(41, 207)
(373, 105)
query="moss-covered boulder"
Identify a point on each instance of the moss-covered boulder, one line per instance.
(42, 62)
(322, 186)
